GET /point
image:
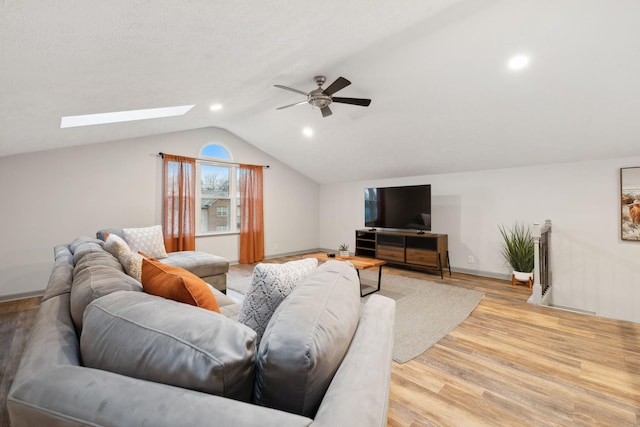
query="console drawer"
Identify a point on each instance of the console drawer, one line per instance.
(390, 253)
(422, 257)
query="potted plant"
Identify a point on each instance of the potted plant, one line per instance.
(344, 250)
(518, 250)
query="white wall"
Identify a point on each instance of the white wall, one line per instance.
(593, 269)
(51, 197)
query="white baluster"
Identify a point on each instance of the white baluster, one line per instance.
(536, 295)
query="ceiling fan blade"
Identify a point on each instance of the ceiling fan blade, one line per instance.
(326, 111)
(339, 84)
(292, 90)
(355, 101)
(291, 105)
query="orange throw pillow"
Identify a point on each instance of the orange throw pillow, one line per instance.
(178, 284)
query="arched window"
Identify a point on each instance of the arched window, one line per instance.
(217, 193)
(215, 151)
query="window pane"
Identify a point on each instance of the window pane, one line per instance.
(238, 211)
(214, 198)
(214, 215)
(214, 181)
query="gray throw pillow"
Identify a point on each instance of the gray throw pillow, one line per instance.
(93, 281)
(270, 285)
(155, 339)
(306, 340)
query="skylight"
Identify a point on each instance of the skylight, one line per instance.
(123, 116)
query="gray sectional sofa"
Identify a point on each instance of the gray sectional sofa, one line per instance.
(103, 352)
(211, 268)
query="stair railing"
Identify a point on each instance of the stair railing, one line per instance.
(541, 290)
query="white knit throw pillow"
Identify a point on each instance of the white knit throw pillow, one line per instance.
(147, 239)
(270, 285)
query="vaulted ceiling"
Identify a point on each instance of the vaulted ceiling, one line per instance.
(444, 99)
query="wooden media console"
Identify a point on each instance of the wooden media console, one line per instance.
(405, 248)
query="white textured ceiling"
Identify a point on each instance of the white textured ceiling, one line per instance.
(443, 100)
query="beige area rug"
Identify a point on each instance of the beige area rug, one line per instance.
(425, 311)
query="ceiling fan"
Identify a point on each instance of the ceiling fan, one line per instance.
(321, 98)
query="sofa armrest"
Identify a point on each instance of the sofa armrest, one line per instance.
(359, 392)
(53, 341)
(78, 396)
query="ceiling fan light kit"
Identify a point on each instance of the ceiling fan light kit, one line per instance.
(321, 98)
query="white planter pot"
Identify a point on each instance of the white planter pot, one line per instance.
(522, 277)
(344, 254)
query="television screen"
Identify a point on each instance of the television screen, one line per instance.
(407, 207)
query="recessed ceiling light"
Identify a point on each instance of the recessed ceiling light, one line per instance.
(518, 62)
(215, 107)
(308, 132)
(123, 116)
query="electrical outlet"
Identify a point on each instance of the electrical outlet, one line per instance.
(275, 246)
(470, 259)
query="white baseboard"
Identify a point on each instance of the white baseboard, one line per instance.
(575, 310)
(488, 274)
(24, 295)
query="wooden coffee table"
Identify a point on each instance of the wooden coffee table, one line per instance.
(358, 262)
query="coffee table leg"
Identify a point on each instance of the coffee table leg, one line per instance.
(375, 290)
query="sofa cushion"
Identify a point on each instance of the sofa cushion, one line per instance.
(73, 246)
(102, 233)
(155, 339)
(97, 258)
(222, 299)
(178, 284)
(85, 247)
(306, 340)
(131, 261)
(270, 285)
(146, 239)
(94, 281)
(201, 264)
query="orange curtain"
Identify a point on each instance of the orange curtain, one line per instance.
(179, 203)
(251, 216)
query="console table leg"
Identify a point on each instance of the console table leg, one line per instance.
(374, 290)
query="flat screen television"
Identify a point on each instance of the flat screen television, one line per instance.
(406, 207)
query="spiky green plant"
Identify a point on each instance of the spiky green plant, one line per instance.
(518, 247)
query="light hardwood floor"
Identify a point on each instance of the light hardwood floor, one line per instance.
(509, 364)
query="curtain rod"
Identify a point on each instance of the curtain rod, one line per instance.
(222, 162)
